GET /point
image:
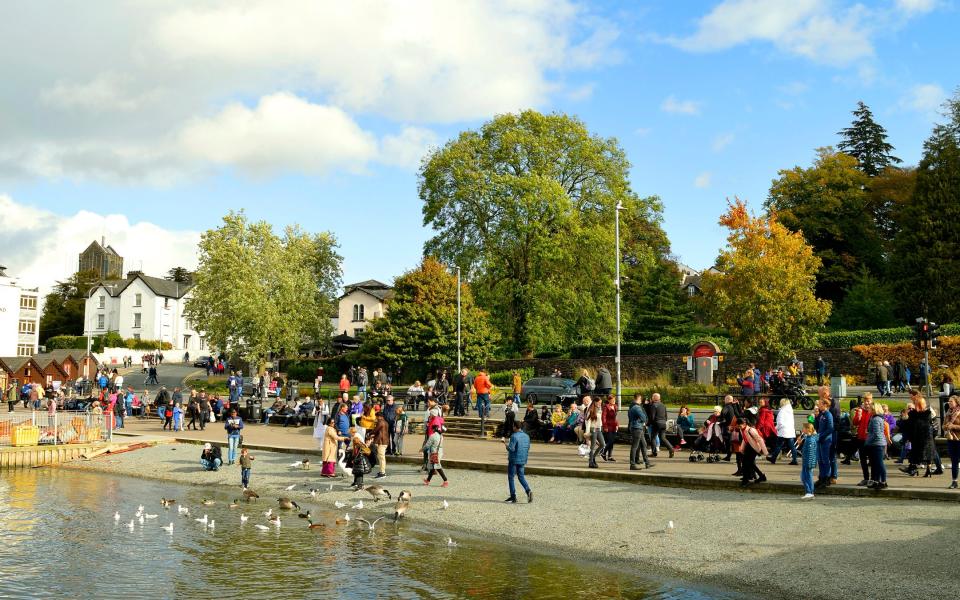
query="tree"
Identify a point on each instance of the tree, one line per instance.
(763, 293)
(258, 293)
(525, 206)
(926, 263)
(829, 204)
(657, 305)
(418, 332)
(180, 274)
(868, 304)
(866, 141)
(63, 307)
(890, 192)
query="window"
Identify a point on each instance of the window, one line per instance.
(358, 312)
(138, 300)
(27, 326)
(136, 336)
(29, 302)
(203, 343)
(357, 332)
(100, 321)
(25, 350)
(166, 303)
(186, 341)
(103, 302)
(137, 318)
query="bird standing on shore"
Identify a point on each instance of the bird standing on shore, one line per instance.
(358, 506)
(250, 494)
(378, 493)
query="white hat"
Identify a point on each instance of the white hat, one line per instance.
(207, 446)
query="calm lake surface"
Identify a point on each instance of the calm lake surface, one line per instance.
(58, 538)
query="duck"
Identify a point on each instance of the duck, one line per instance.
(168, 528)
(167, 502)
(312, 525)
(207, 502)
(250, 494)
(234, 504)
(378, 493)
(287, 503)
(305, 515)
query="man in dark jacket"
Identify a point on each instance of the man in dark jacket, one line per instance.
(638, 444)
(658, 426)
(727, 416)
(210, 457)
(604, 384)
(389, 413)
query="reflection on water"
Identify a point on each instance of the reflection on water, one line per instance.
(58, 537)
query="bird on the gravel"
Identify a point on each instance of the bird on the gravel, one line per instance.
(250, 494)
(304, 515)
(370, 525)
(167, 502)
(405, 496)
(378, 493)
(312, 525)
(287, 503)
(341, 461)
(670, 527)
(243, 518)
(290, 487)
(168, 528)
(445, 505)
(400, 509)
(339, 504)
(358, 506)
(301, 464)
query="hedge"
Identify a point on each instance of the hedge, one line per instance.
(505, 378)
(111, 339)
(664, 345)
(894, 335)
(947, 353)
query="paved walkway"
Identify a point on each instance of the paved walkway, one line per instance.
(564, 460)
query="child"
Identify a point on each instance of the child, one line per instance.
(399, 429)
(246, 463)
(177, 418)
(810, 441)
(359, 458)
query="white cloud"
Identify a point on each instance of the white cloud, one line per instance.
(407, 148)
(925, 98)
(794, 88)
(642, 131)
(671, 105)
(41, 247)
(703, 180)
(917, 6)
(113, 109)
(583, 92)
(722, 141)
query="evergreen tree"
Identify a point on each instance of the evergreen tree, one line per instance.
(869, 304)
(180, 274)
(656, 305)
(927, 247)
(866, 140)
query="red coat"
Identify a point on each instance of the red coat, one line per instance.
(608, 418)
(765, 425)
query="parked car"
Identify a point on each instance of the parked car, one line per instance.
(549, 390)
(202, 362)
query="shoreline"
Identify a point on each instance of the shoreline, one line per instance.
(721, 538)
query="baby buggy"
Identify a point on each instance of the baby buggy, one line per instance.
(709, 443)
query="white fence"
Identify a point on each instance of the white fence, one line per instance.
(65, 427)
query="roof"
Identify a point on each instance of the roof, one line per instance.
(377, 289)
(6, 367)
(97, 246)
(164, 288)
(15, 363)
(45, 360)
(61, 355)
(689, 280)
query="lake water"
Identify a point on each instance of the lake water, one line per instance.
(58, 537)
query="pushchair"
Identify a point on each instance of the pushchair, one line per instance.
(709, 443)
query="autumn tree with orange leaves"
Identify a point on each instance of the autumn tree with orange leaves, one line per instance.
(763, 289)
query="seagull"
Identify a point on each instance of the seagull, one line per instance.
(150, 516)
(446, 505)
(268, 513)
(275, 519)
(339, 504)
(168, 528)
(243, 518)
(369, 524)
(211, 524)
(203, 520)
(313, 493)
(262, 527)
(378, 493)
(130, 525)
(116, 516)
(451, 543)
(358, 506)
(290, 487)
(346, 517)
(139, 513)
(250, 494)
(141, 519)
(183, 510)
(140, 509)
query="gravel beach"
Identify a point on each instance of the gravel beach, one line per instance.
(831, 547)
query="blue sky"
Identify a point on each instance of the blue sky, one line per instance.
(156, 126)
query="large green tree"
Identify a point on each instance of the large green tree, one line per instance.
(866, 141)
(868, 304)
(762, 291)
(418, 332)
(63, 307)
(657, 305)
(180, 274)
(525, 206)
(926, 260)
(258, 293)
(830, 205)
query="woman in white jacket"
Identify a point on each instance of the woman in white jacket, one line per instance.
(786, 433)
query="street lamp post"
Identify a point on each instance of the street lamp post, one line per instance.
(616, 282)
(458, 319)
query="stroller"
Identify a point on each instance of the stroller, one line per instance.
(709, 442)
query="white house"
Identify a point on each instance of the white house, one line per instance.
(360, 304)
(143, 307)
(19, 317)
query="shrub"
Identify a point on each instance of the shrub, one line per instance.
(505, 378)
(67, 342)
(893, 335)
(948, 353)
(664, 345)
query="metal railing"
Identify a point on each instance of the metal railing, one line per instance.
(65, 427)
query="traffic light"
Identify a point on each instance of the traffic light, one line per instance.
(933, 334)
(921, 333)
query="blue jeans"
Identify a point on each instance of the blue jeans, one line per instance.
(806, 477)
(211, 465)
(953, 447)
(513, 469)
(120, 421)
(878, 471)
(778, 445)
(483, 400)
(823, 458)
(232, 442)
(245, 477)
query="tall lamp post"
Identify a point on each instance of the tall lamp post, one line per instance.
(459, 344)
(616, 282)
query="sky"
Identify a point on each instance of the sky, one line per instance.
(146, 121)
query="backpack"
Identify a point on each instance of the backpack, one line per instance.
(591, 384)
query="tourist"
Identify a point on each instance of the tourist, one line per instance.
(52, 409)
(367, 420)
(177, 417)
(415, 394)
(874, 448)
(861, 418)
(557, 421)
(824, 392)
(825, 433)
(593, 430)
(12, 394)
(786, 433)
(518, 448)
(746, 383)
(433, 449)
(193, 411)
(685, 424)
(531, 420)
(610, 426)
(380, 437)
(210, 457)
(604, 383)
(360, 459)
(659, 424)
(637, 423)
(399, 430)
(246, 465)
(234, 425)
(483, 386)
(517, 387)
(809, 457)
(329, 441)
(951, 429)
(585, 384)
(728, 418)
(921, 438)
(752, 447)
(168, 415)
(765, 423)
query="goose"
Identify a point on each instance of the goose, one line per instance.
(312, 525)
(206, 502)
(370, 525)
(262, 527)
(168, 528)
(150, 516)
(450, 542)
(405, 496)
(290, 487)
(234, 504)
(250, 494)
(400, 509)
(130, 525)
(116, 516)
(339, 504)
(203, 520)
(358, 506)
(378, 493)
(304, 515)
(167, 502)
(243, 518)
(287, 503)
